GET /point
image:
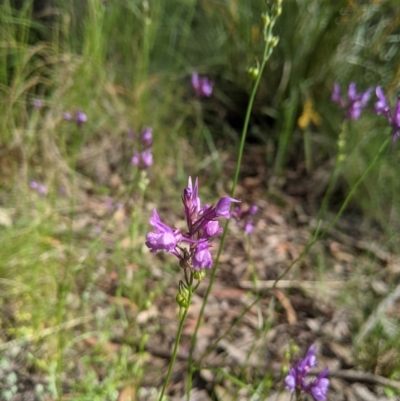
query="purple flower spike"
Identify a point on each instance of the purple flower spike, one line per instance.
(298, 381)
(192, 246)
(382, 107)
(202, 86)
(355, 102)
(147, 137)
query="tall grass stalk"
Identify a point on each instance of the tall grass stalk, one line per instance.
(270, 43)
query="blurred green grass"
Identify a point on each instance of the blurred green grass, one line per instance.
(128, 64)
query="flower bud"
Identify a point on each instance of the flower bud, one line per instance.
(273, 41)
(253, 72)
(199, 274)
(182, 301)
(266, 19)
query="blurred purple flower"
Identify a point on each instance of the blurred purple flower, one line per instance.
(135, 158)
(80, 117)
(67, 116)
(242, 217)
(382, 107)
(298, 381)
(142, 160)
(202, 86)
(147, 137)
(39, 188)
(355, 101)
(37, 104)
(191, 247)
(147, 158)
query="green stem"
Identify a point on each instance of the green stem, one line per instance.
(177, 341)
(267, 53)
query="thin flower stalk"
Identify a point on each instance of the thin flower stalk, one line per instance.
(190, 246)
(271, 41)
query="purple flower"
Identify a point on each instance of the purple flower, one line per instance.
(382, 107)
(319, 386)
(67, 116)
(242, 218)
(298, 380)
(191, 247)
(142, 160)
(223, 207)
(135, 158)
(164, 238)
(37, 104)
(147, 158)
(40, 188)
(355, 101)
(202, 257)
(147, 137)
(248, 227)
(212, 228)
(202, 85)
(80, 117)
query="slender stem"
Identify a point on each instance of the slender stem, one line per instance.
(182, 318)
(267, 53)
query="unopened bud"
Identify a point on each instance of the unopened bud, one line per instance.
(182, 301)
(183, 289)
(266, 19)
(199, 274)
(253, 72)
(273, 41)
